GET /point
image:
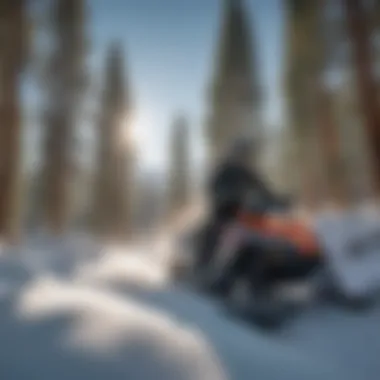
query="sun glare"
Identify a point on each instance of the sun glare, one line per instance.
(135, 130)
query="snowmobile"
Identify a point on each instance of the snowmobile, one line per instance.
(263, 258)
(266, 260)
(268, 226)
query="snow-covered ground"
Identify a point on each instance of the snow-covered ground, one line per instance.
(73, 311)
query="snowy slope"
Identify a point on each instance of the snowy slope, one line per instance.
(117, 318)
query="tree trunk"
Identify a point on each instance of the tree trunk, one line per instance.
(65, 79)
(359, 32)
(12, 34)
(112, 196)
(57, 175)
(306, 64)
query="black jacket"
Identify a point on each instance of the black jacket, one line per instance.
(230, 184)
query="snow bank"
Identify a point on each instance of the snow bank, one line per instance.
(133, 266)
(62, 330)
(73, 312)
(58, 330)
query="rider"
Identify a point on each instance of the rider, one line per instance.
(230, 184)
(234, 179)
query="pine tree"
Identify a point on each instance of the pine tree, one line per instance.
(179, 181)
(376, 16)
(114, 177)
(375, 28)
(64, 86)
(235, 90)
(13, 50)
(329, 37)
(305, 97)
(359, 33)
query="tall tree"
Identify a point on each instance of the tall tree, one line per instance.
(375, 12)
(179, 181)
(13, 37)
(376, 16)
(359, 31)
(113, 182)
(235, 91)
(303, 68)
(312, 130)
(329, 42)
(64, 86)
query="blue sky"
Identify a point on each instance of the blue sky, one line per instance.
(169, 47)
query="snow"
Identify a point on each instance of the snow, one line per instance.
(72, 309)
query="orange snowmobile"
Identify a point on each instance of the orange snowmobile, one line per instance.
(263, 250)
(286, 227)
(259, 254)
(280, 244)
(262, 235)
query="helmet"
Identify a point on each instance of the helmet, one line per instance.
(241, 148)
